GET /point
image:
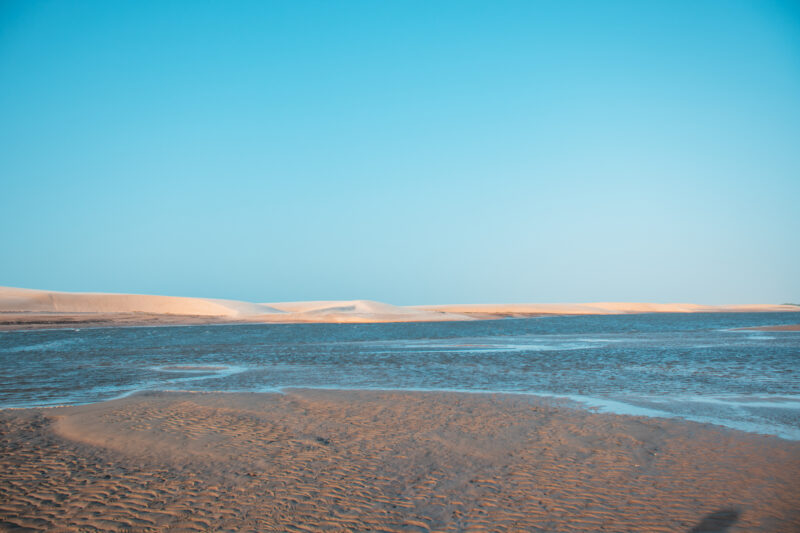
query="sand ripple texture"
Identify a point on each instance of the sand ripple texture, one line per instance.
(313, 460)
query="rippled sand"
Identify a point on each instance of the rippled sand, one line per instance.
(383, 461)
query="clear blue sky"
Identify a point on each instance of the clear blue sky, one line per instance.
(409, 152)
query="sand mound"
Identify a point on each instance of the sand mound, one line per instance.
(26, 309)
(14, 300)
(601, 308)
(360, 311)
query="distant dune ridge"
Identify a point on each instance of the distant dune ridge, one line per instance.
(19, 307)
(605, 308)
(37, 308)
(27, 300)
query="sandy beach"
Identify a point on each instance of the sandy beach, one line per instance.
(365, 266)
(312, 460)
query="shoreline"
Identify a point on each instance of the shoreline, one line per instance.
(411, 461)
(783, 327)
(29, 309)
(582, 402)
(40, 322)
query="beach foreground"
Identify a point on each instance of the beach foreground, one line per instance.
(384, 461)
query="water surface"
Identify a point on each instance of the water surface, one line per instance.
(695, 366)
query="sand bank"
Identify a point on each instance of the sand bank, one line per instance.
(384, 461)
(32, 309)
(488, 311)
(35, 301)
(785, 327)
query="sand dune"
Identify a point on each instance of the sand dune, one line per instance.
(601, 308)
(26, 308)
(28, 300)
(21, 308)
(340, 306)
(361, 311)
(383, 461)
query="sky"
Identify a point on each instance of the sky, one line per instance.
(412, 152)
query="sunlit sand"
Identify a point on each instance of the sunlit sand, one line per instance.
(384, 461)
(310, 460)
(26, 308)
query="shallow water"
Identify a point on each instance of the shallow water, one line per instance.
(687, 365)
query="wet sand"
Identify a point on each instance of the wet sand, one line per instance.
(310, 460)
(32, 321)
(785, 327)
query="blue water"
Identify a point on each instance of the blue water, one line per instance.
(694, 366)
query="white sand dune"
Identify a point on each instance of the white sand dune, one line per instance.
(34, 308)
(346, 306)
(28, 301)
(361, 311)
(14, 300)
(602, 308)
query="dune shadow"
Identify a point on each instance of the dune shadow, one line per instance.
(717, 522)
